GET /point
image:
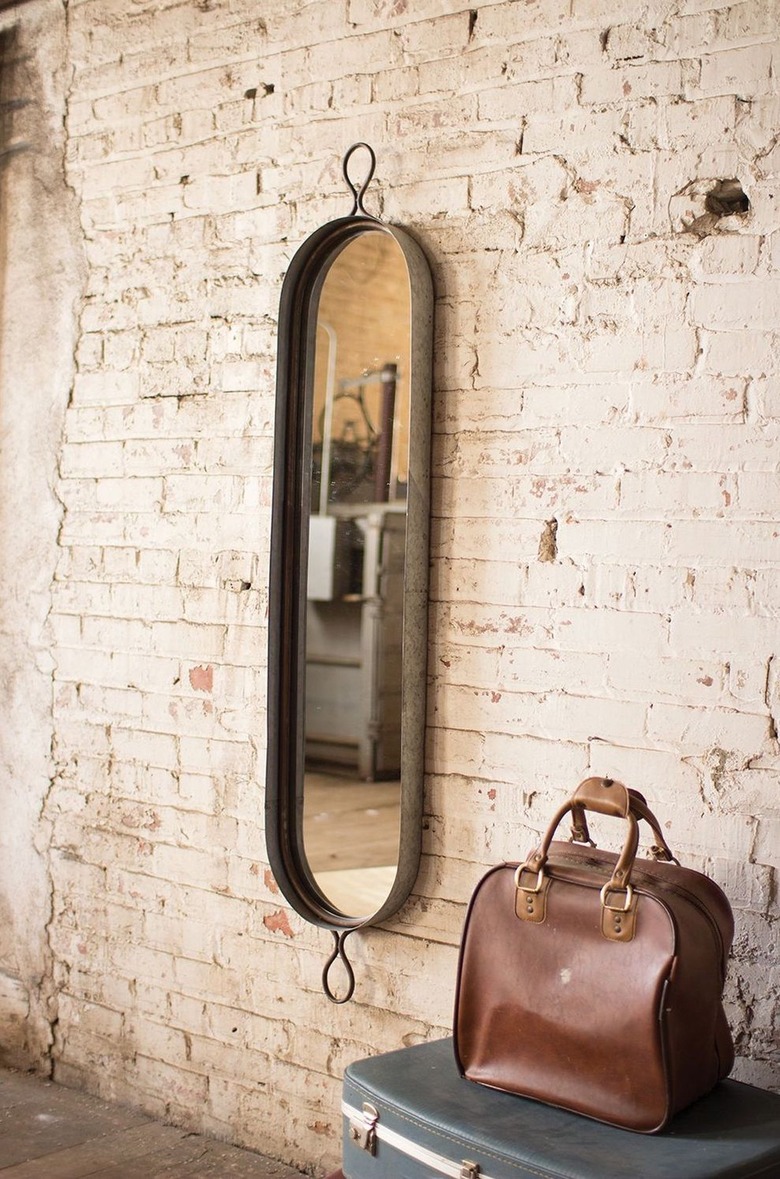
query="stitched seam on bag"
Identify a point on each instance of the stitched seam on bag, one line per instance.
(501, 1158)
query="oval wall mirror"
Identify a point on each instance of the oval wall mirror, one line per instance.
(349, 573)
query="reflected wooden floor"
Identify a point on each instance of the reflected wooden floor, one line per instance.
(350, 824)
(358, 891)
(351, 838)
(50, 1132)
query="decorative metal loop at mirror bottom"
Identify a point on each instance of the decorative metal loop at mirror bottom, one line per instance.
(339, 937)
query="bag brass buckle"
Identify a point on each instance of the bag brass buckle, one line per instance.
(539, 880)
(606, 890)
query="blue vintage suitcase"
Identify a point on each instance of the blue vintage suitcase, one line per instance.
(409, 1115)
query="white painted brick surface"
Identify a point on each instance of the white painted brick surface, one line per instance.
(598, 367)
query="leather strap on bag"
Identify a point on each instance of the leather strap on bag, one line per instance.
(618, 903)
(660, 850)
(604, 796)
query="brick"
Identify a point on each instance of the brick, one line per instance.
(746, 543)
(673, 494)
(660, 774)
(480, 66)
(143, 783)
(631, 82)
(365, 12)
(749, 307)
(532, 670)
(552, 583)
(746, 885)
(613, 630)
(612, 447)
(119, 564)
(220, 755)
(521, 538)
(427, 119)
(738, 353)
(481, 624)
(719, 634)
(580, 717)
(745, 72)
(729, 254)
(139, 495)
(757, 494)
(194, 493)
(426, 39)
(689, 124)
(732, 447)
(508, 26)
(154, 749)
(547, 132)
(430, 198)
(101, 387)
(617, 540)
(696, 729)
(712, 592)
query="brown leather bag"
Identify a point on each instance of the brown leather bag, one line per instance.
(593, 982)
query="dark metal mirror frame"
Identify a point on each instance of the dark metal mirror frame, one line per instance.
(288, 573)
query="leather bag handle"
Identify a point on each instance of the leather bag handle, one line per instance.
(603, 796)
(586, 792)
(621, 874)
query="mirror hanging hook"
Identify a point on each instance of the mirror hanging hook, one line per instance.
(358, 190)
(338, 952)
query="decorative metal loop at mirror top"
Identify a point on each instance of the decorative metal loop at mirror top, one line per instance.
(349, 574)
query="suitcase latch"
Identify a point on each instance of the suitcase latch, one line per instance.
(469, 1170)
(362, 1128)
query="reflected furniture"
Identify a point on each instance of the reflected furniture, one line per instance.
(353, 650)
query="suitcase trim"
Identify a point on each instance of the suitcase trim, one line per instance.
(466, 1169)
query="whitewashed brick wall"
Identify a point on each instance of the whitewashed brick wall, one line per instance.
(605, 501)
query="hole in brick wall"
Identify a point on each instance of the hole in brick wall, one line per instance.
(548, 543)
(473, 16)
(701, 205)
(726, 199)
(266, 88)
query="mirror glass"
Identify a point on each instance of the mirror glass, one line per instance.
(358, 460)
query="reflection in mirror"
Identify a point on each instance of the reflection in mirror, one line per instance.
(357, 536)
